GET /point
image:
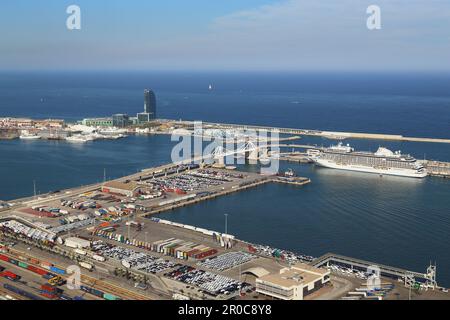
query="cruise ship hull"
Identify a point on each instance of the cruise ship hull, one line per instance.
(388, 171)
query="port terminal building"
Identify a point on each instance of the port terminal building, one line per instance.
(127, 189)
(292, 283)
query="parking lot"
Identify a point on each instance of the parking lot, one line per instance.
(227, 261)
(210, 283)
(132, 259)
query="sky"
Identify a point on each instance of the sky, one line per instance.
(289, 35)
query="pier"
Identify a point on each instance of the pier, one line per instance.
(386, 271)
(438, 168)
(337, 135)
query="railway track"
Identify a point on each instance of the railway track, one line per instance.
(112, 288)
(90, 281)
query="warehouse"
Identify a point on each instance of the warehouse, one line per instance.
(127, 189)
(292, 283)
(77, 243)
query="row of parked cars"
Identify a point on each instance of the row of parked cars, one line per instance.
(4, 205)
(348, 271)
(80, 204)
(219, 175)
(279, 253)
(184, 182)
(227, 260)
(16, 227)
(210, 283)
(132, 259)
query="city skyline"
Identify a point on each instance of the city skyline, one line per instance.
(231, 35)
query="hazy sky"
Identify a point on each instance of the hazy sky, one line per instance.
(226, 35)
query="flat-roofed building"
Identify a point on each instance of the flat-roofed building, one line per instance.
(97, 122)
(50, 123)
(127, 189)
(293, 283)
(120, 120)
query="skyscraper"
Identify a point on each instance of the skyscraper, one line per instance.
(150, 103)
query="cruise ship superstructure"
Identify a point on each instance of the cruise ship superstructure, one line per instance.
(382, 162)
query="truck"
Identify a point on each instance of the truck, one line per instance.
(80, 252)
(86, 265)
(98, 258)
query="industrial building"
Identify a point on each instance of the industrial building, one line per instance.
(127, 189)
(77, 243)
(293, 283)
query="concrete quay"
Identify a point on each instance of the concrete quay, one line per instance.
(337, 135)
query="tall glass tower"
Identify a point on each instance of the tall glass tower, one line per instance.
(150, 103)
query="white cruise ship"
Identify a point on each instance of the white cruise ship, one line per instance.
(382, 162)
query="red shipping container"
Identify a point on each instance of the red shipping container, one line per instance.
(8, 274)
(37, 270)
(47, 295)
(4, 258)
(48, 288)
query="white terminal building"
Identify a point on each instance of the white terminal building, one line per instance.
(292, 283)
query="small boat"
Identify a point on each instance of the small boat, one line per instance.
(289, 173)
(78, 139)
(28, 136)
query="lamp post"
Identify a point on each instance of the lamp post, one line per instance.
(226, 223)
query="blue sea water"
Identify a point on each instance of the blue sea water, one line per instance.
(397, 221)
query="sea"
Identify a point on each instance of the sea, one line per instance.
(391, 220)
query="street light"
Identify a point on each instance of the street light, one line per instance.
(226, 223)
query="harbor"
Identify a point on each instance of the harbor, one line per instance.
(116, 218)
(126, 220)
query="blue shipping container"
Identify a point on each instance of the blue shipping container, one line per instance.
(49, 276)
(57, 270)
(21, 292)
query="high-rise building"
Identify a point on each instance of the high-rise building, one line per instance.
(150, 103)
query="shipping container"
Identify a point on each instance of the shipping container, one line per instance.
(4, 258)
(57, 270)
(48, 276)
(13, 261)
(21, 292)
(48, 295)
(108, 296)
(10, 275)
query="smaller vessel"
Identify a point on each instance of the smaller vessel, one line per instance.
(28, 136)
(210, 87)
(78, 138)
(289, 173)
